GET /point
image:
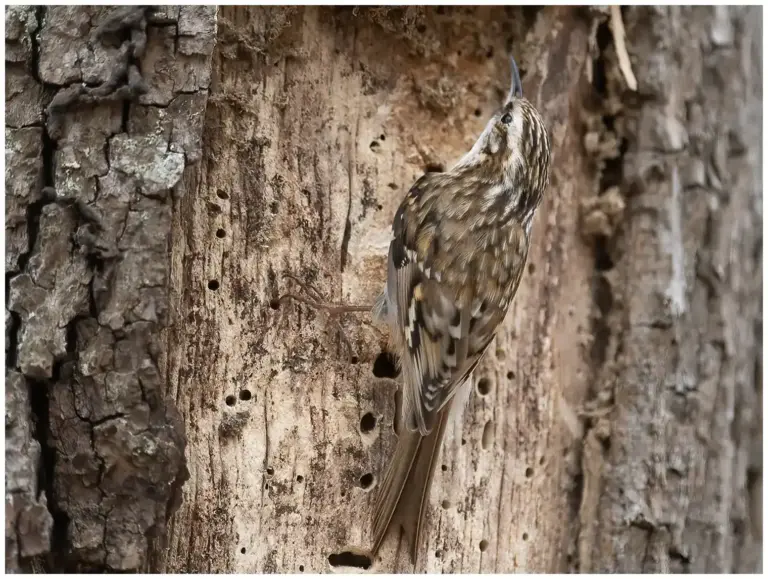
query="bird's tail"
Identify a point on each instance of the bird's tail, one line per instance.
(404, 492)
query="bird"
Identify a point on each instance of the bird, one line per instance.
(458, 251)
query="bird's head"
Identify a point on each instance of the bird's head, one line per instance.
(513, 152)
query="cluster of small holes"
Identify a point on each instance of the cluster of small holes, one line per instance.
(244, 395)
(367, 422)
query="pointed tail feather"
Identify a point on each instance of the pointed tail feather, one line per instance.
(404, 492)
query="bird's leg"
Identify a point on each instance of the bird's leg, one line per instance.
(315, 300)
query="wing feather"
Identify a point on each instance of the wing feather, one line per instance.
(445, 306)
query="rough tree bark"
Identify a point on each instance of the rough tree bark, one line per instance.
(151, 218)
(104, 111)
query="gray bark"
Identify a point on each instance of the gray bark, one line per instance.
(101, 114)
(616, 423)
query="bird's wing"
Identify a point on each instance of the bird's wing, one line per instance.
(447, 310)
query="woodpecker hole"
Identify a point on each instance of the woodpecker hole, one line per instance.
(384, 366)
(434, 168)
(528, 472)
(301, 568)
(367, 422)
(444, 468)
(531, 268)
(222, 194)
(374, 146)
(230, 400)
(510, 375)
(478, 112)
(213, 285)
(270, 471)
(274, 304)
(438, 554)
(483, 545)
(220, 233)
(245, 395)
(273, 208)
(242, 550)
(299, 479)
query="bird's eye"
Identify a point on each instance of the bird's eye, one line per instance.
(506, 119)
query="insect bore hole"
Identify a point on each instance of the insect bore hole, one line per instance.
(366, 481)
(483, 386)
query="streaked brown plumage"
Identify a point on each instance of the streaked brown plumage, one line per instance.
(458, 251)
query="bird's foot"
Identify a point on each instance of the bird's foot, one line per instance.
(314, 299)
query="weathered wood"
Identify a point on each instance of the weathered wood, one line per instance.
(318, 122)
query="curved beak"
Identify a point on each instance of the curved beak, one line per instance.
(516, 90)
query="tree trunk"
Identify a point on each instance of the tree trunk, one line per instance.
(151, 218)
